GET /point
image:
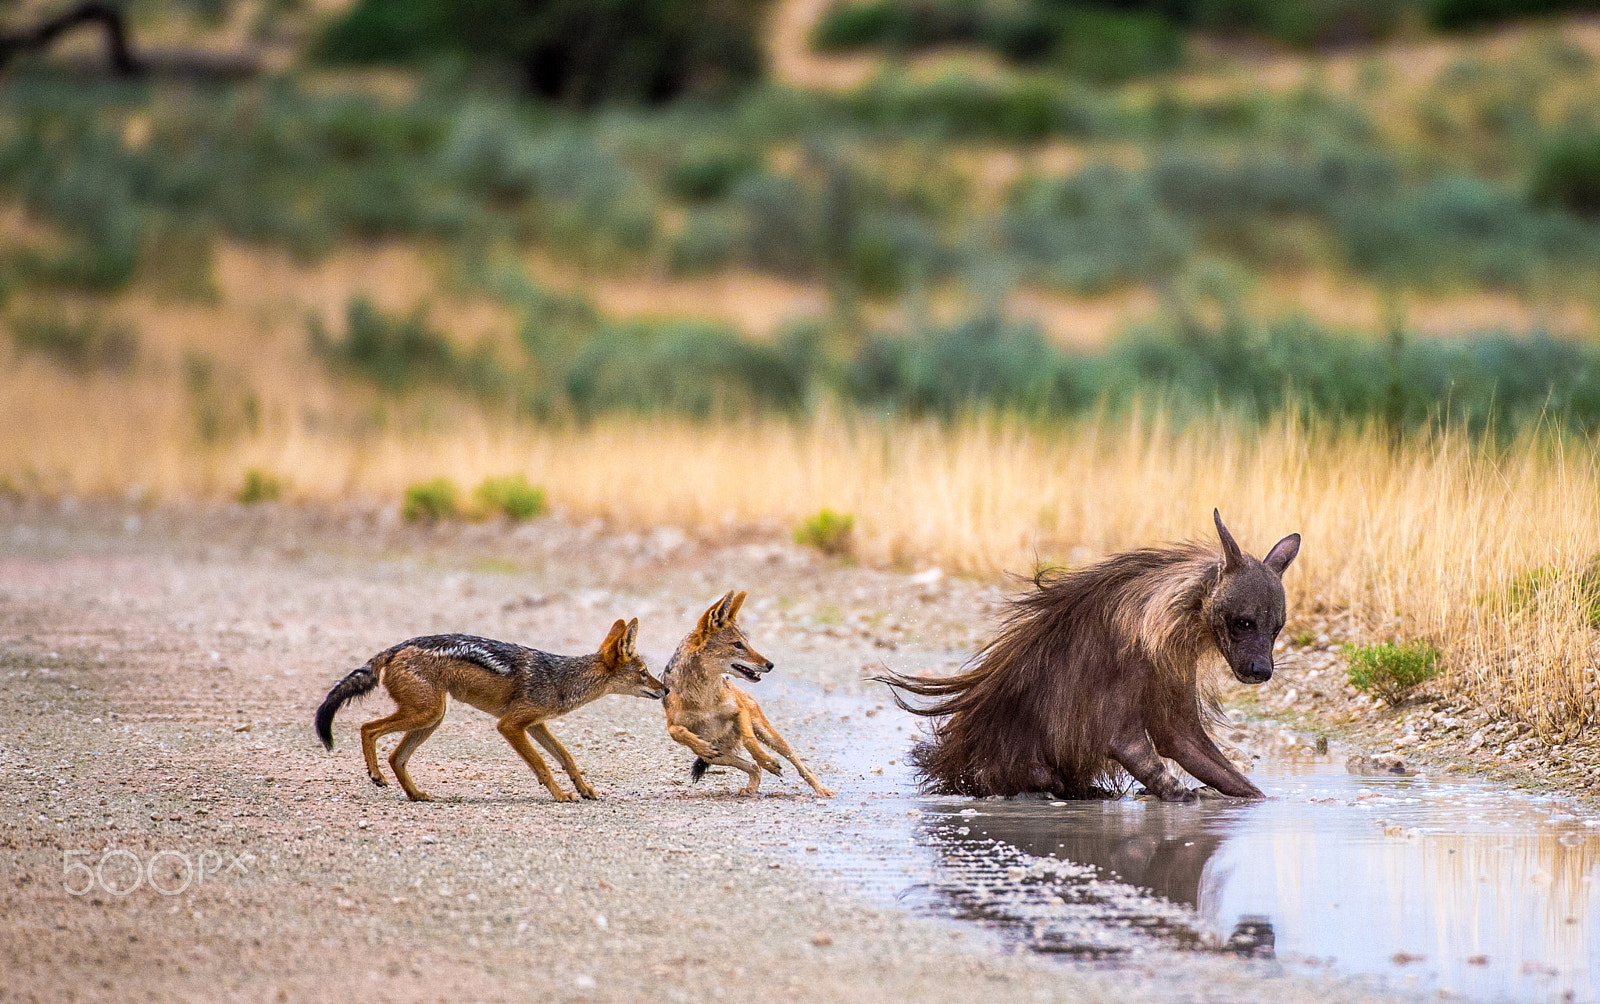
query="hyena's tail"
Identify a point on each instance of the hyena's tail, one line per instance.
(359, 682)
(698, 769)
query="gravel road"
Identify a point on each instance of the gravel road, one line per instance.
(159, 667)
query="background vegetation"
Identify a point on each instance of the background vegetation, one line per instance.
(1064, 275)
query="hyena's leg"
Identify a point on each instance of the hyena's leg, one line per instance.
(402, 753)
(515, 728)
(1137, 755)
(769, 735)
(552, 745)
(1187, 743)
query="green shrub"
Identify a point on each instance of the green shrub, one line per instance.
(82, 344)
(579, 52)
(429, 501)
(511, 496)
(1098, 229)
(400, 353)
(1567, 174)
(1107, 46)
(683, 367)
(827, 531)
(708, 170)
(1454, 14)
(1391, 671)
(259, 486)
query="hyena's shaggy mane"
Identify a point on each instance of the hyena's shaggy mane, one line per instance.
(1034, 708)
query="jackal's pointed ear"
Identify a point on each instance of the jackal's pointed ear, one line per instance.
(738, 601)
(1232, 557)
(611, 648)
(1282, 553)
(630, 637)
(712, 620)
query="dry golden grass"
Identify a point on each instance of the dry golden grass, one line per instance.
(1419, 540)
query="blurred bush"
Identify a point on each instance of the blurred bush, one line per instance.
(1100, 228)
(579, 52)
(981, 363)
(511, 496)
(82, 342)
(828, 531)
(1090, 41)
(400, 353)
(259, 486)
(1567, 174)
(683, 367)
(430, 501)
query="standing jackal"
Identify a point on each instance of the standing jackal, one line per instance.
(713, 717)
(1094, 672)
(522, 687)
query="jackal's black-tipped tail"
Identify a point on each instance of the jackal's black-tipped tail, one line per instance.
(359, 682)
(698, 769)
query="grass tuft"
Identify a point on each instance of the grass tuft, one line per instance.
(431, 501)
(512, 497)
(828, 531)
(259, 486)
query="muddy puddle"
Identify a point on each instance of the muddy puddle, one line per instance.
(1426, 883)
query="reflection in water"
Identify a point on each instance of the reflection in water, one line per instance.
(1459, 886)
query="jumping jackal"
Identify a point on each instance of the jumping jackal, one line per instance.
(522, 687)
(713, 717)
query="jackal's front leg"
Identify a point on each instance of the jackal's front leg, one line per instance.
(698, 746)
(553, 746)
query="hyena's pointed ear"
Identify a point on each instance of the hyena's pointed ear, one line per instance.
(1232, 557)
(738, 601)
(1282, 554)
(630, 638)
(611, 648)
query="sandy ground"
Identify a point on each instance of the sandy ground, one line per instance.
(159, 669)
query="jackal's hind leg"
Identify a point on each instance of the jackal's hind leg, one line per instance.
(769, 735)
(405, 719)
(402, 753)
(542, 734)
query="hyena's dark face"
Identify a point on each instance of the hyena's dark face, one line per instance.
(1246, 616)
(1247, 607)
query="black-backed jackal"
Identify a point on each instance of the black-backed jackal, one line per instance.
(711, 716)
(522, 687)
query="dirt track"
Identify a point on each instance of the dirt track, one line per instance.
(159, 670)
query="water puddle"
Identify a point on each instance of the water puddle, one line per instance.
(1413, 882)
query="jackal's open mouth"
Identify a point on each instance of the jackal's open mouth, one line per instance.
(748, 672)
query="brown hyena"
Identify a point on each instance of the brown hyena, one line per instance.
(1095, 670)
